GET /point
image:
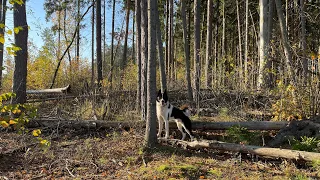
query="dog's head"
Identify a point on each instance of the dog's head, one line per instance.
(162, 98)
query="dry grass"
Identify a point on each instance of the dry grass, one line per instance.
(117, 154)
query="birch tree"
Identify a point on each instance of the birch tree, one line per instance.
(263, 5)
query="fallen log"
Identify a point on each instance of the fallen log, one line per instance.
(250, 125)
(196, 125)
(46, 91)
(78, 124)
(257, 150)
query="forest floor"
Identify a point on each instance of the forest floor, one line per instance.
(118, 154)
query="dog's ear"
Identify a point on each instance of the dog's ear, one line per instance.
(159, 92)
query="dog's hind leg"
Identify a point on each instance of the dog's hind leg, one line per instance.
(188, 131)
(179, 125)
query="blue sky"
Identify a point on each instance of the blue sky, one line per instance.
(36, 21)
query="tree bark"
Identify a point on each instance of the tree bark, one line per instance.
(163, 78)
(78, 33)
(138, 52)
(257, 150)
(269, 74)
(186, 49)
(304, 61)
(125, 46)
(98, 42)
(196, 52)
(3, 10)
(92, 46)
(21, 58)
(208, 43)
(144, 57)
(151, 125)
(112, 45)
(246, 45)
(240, 48)
(262, 42)
(286, 45)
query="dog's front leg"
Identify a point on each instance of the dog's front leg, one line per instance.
(166, 122)
(160, 121)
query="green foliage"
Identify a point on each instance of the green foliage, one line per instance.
(241, 135)
(306, 144)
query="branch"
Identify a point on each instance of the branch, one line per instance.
(73, 37)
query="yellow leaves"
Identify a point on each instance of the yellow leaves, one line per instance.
(16, 111)
(4, 124)
(17, 29)
(13, 49)
(9, 32)
(2, 40)
(2, 25)
(11, 121)
(20, 2)
(36, 132)
(44, 142)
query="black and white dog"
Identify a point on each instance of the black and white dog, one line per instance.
(166, 112)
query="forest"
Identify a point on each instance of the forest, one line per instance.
(79, 99)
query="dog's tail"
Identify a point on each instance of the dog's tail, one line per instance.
(186, 110)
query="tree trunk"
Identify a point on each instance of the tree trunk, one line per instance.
(3, 11)
(269, 74)
(246, 45)
(125, 46)
(262, 42)
(66, 39)
(167, 38)
(92, 47)
(20, 40)
(151, 125)
(196, 52)
(138, 52)
(112, 45)
(208, 43)
(78, 33)
(163, 79)
(304, 61)
(240, 48)
(144, 57)
(186, 49)
(286, 45)
(98, 41)
(170, 43)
